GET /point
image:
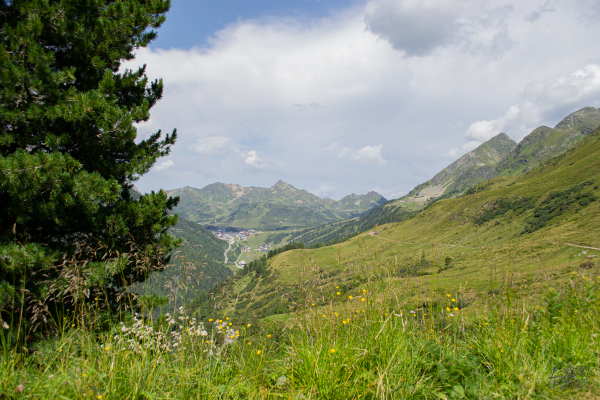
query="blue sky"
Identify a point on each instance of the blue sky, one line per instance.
(340, 97)
(190, 22)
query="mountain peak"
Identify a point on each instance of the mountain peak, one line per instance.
(283, 185)
(587, 119)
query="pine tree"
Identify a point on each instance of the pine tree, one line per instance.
(69, 229)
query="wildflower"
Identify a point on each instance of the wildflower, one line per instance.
(268, 336)
(210, 320)
(208, 341)
(363, 299)
(332, 351)
(230, 324)
(83, 375)
(313, 304)
(73, 325)
(337, 287)
(448, 295)
(258, 352)
(451, 315)
(249, 343)
(99, 397)
(338, 293)
(20, 388)
(227, 318)
(455, 308)
(323, 315)
(106, 348)
(249, 325)
(350, 297)
(447, 308)
(454, 300)
(344, 322)
(412, 311)
(96, 299)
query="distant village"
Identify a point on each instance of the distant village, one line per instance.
(241, 235)
(225, 234)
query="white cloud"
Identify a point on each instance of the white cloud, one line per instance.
(369, 155)
(252, 160)
(164, 165)
(288, 88)
(365, 155)
(542, 100)
(325, 191)
(211, 146)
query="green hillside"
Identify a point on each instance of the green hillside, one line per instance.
(501, 156)
(196, 266)
(281, 206)
(544, 142)
(512, 230)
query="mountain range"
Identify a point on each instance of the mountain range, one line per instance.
(499, 156)
(278, 207)
(502, 156)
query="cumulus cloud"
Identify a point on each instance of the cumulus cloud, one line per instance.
(325, 191)
(414, 26)
(214, 145)
(252, 160)
(420, 27)
(286, 88)
(541, 101)
(365, 155)
(164, 165)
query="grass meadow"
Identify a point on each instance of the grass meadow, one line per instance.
(356, 347)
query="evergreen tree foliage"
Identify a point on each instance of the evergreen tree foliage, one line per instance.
(69, 229)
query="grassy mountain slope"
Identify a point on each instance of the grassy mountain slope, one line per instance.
(501, 156)
(278, 207)
(472, 168)
(196, 266)
(544, 142)
(517, 234)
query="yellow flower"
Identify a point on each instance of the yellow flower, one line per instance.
(249, 343)
(83, 375)
(73, 325)
(60, 350)
(249, 325)
(99, 396)
(453, 300)
(258, 352)
(447, 308)
(313, 304)
(338, 293)
(332, 351)
(232, 336)
(337, 287)
(268, 336)
(344, 322)
(424, 314)
(455, 308)
(210, 320)
(96, 299)
(227, 318)
(220, 327)
(448, 295)
(363, 299)
(106, 348)
(230, 324)
(350, 297)
(208, 341)
(323, 315)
